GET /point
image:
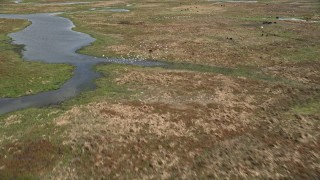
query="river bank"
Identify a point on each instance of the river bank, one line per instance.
(50, 39)
(240, 98)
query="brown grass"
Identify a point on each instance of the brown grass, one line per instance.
(192, 125)
(227, 34)
(26, 158)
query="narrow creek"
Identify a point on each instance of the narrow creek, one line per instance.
(50, 39)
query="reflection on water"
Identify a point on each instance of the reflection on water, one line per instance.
(50, 39)
(295, 19)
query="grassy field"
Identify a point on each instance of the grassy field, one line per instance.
(240, 98)
(19, 77)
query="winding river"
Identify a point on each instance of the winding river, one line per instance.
(50, 39)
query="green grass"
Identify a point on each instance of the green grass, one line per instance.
(101, 39)
(110, 35)
(20, 77)
(36, 123)
(31, 143)
(106, 87)
(308, 108)
(306, 54)
(29, 124)
(256, 19)
(248, 72)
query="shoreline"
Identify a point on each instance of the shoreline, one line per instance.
(57, 43)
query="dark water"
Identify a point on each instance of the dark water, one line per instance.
(50, 39)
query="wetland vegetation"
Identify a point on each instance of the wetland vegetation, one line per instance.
(19, 77)
(239, 99)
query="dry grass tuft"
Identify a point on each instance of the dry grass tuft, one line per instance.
(190, 125)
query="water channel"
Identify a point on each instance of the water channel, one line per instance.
(50, 39)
